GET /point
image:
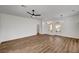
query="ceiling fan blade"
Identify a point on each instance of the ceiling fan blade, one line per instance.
(29, 13)
(37, 15)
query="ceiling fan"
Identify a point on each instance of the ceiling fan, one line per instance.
(33, 13)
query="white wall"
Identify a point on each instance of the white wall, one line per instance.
(13, 27)
(70, 27)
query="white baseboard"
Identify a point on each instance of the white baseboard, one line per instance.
(70, 36)
(13, 38)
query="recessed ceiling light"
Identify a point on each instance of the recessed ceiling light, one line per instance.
(23, 6)
(61, 15)
(73, 10)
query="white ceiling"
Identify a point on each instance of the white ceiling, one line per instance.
(47, 11)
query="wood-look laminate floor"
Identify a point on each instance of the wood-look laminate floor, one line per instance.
(41, 44)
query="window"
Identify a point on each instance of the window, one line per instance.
(58, 27)
(50, 27)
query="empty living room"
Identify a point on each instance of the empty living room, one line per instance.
(39, 28)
